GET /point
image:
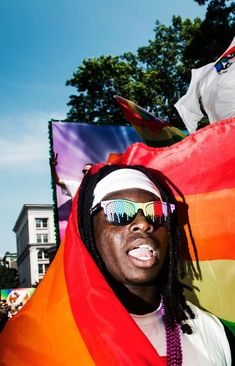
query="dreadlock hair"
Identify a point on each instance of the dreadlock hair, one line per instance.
(176, 308)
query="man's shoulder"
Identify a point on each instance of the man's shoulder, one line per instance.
(201, 312)
(203, 316)
(213, 331)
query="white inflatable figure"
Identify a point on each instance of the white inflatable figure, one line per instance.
(212, 85)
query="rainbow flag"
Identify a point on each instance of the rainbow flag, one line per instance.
(74, 318)
(202, 174)
(153, 130)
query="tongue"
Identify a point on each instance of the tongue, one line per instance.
(141, 253)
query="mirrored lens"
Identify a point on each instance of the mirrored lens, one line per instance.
(154, 209)
(120, 212)
(153, 213)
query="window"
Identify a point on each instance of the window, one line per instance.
(41, 223)
(42, 254)
(45, 238)
(42, 268)
(42, 238)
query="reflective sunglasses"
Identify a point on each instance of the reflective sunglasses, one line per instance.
(123, 212)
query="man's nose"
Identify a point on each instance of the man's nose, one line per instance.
(140, 223)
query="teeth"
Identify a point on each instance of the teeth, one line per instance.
(143, 252)
(145, 246)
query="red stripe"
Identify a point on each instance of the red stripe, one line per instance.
(231, 50)
(202, 162)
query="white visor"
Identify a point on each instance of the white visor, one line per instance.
(122, 179)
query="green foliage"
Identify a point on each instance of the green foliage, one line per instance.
(8, 277)
(97, 80)
(215, 33)
(157, 75)
(166, 74)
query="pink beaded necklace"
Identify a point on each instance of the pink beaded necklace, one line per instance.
(173, 341)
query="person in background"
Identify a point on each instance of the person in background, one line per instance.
(86, 168)
(69, 187)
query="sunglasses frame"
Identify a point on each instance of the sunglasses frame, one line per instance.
(166, 209)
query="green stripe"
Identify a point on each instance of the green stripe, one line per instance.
(229, 324)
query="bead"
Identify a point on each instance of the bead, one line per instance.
(173, 342)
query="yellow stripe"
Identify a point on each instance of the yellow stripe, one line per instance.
(216, 288)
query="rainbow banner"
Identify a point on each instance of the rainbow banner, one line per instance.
(153, 130)
(78, 144)
(74, 318)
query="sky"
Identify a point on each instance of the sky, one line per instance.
(42, 42)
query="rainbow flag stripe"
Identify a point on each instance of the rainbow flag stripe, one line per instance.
(153, 130)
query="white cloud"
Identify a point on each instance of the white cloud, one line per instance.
(24, 140)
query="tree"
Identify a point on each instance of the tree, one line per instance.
(214, 34)
(157, 75)
(153, 78)
(166, 75)
(96, 81)
(8, 277)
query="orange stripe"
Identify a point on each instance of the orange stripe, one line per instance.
(52, 337)
(212, 224)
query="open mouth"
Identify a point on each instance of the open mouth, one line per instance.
(143, 252)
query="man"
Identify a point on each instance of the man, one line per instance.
(135, 241)
(112, 295)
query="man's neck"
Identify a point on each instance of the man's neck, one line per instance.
(138, 299)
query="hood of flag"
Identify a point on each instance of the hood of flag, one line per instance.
(70, 318)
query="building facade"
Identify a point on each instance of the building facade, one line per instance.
(35, 235)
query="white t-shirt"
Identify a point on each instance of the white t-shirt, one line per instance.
(207, 346)
(214, 85)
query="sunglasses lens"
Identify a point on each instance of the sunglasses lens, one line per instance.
(120, 212)
(153, 213)
(123, 212)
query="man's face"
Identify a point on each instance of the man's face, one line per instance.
(133, 254)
